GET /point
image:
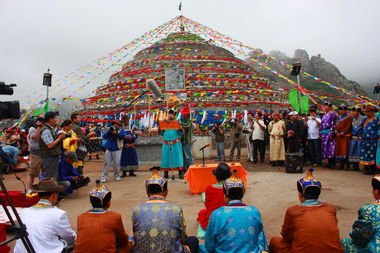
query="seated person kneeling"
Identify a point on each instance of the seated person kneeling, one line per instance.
(100, 230)
(68, 176)
(310, 226)
(159, 226)
(214, 194)
(235, 227)
(366, 229)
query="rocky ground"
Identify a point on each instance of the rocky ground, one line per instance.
(270, 189)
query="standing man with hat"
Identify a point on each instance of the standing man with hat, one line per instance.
(327, 135)
(48, 227)
(114, 144)
(368, 146)
(187, 137)
(50, 146)
(343, 130)
(235, 227)
(295, 132)
(236, 138)
(311, 226)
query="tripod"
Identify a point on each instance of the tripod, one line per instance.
(19, 228)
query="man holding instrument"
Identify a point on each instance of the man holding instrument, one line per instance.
(172, 156)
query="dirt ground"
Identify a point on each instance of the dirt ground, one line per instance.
(270, 189)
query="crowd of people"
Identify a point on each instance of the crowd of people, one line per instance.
(344, 137)
(230, 224)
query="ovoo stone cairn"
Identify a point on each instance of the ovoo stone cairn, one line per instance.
(214, 78)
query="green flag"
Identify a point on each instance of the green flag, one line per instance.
(304, 104)
(293, 99)
(46, 107)
(37, 112)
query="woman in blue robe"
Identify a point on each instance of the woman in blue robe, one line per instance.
(357, 130)
(368, 147)
(129, 160)
(365, 236)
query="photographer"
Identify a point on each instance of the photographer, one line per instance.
(218, 131)
(76, 119)
(248, 136)
(70, 143)
(114, 144)
(236, 136)
(35, 152)
(50, 145)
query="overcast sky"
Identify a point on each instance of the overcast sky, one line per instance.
(67, 34)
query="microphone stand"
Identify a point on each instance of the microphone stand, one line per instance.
(134, 100)
(203, 157)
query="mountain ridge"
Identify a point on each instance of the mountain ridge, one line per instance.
(314, 65)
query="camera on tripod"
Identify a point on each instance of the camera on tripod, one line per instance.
(8, 109)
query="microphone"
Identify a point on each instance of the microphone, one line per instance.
(205, 146)
(153, 87)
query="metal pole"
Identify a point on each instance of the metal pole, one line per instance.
(47, 96)
(299, 94)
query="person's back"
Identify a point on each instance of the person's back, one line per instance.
(312, 228)
(99, 232)
(48, 227)
(365, 234)
(237, 227)
(214, 194)
(214, 200)
(43, 226)
(158, 227)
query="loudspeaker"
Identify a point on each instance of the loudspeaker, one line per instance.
(10, 110)
(47, 79)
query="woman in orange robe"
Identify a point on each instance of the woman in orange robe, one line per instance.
(310, 226)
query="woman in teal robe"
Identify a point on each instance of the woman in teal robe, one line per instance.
(172, 156)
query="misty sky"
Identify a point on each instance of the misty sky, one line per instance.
(67, 34)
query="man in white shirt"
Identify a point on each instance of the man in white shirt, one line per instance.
(313, 123)
(48, 227)
(248, 130)
(258, 131)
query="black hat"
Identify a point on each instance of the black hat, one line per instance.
(376, 182)
(222, 172)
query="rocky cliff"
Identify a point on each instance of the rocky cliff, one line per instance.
(315, 65)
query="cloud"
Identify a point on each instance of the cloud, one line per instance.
(65, 35)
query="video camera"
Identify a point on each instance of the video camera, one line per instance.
(8, 109)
